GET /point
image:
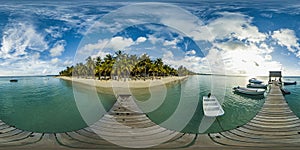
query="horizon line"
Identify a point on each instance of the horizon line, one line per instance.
(241, 75)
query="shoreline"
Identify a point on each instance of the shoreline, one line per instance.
(122, 87)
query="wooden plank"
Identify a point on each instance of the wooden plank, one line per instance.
(274, 124)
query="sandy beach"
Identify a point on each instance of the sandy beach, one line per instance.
(121, 86)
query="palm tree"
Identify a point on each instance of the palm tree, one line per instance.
(108, 64)
(118, 66)
(124, 66)
(145, 64)
(159, 64)
(153, 69)
(67, 72)
(98, 67)
(133, 61)
(90, 66)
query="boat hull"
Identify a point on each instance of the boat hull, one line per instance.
(249, 91)
(257, 86)
(289, 83)
(285, 91)
(255, 81)
(212, 107)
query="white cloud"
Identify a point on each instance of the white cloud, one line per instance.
(230, 25)
(246, 47)
(44, 71)
(193, 63)
(242, 50)
(268, 57)
(55, 31)
(101, 46)
(19, 37)
(54, 60)
(141, 39)
(120, 43)
(168, 55)
(244, 60)
(214, 62)
(191, 52)
(115, 43)
(172, 43)
(102, 54)
(154, 39)
(89, 48)
(287, 38)
(58, 48)
(29, 66)
(21, 48)
(67, 63)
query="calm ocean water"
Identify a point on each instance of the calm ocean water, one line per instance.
(294, 98)
(46, 104)
(43, 104)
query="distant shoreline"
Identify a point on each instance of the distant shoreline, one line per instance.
(122, 87)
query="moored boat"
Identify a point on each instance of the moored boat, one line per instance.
(253, 85)
(249, 91)
(285, 91)
(212, 107)
(13, 80)
(254, 80)
(289, 82)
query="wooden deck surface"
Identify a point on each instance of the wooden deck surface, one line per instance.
(275, 125)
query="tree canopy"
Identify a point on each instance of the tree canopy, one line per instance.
(124, 66)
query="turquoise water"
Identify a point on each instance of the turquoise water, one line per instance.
(239, 109)
(294, 98)
(46, 104)
(42, 104)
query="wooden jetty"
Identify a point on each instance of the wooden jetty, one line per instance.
(124, 124)
(275, 126)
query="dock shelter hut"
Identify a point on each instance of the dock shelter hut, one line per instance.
(276, 74)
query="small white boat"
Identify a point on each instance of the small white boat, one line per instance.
(253, 85)
(249, 91)
(289, 82)
(212, 107)
(254, 80)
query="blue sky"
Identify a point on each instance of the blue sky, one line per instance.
(225, 37)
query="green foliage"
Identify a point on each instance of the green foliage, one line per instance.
(123, 66)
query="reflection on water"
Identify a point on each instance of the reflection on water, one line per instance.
(43, 104)
(239, 109)
(50, 106)
(256, 97)
(293, 99)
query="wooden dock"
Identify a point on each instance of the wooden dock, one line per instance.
(274, 125)
(125, 126)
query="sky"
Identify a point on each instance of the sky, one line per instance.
(221, 37)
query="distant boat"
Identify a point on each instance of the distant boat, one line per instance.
(289, 82)
(249, 91)
(254, 80)
(13, 80)
(285, 91)
(253, 85)
(212, 107)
